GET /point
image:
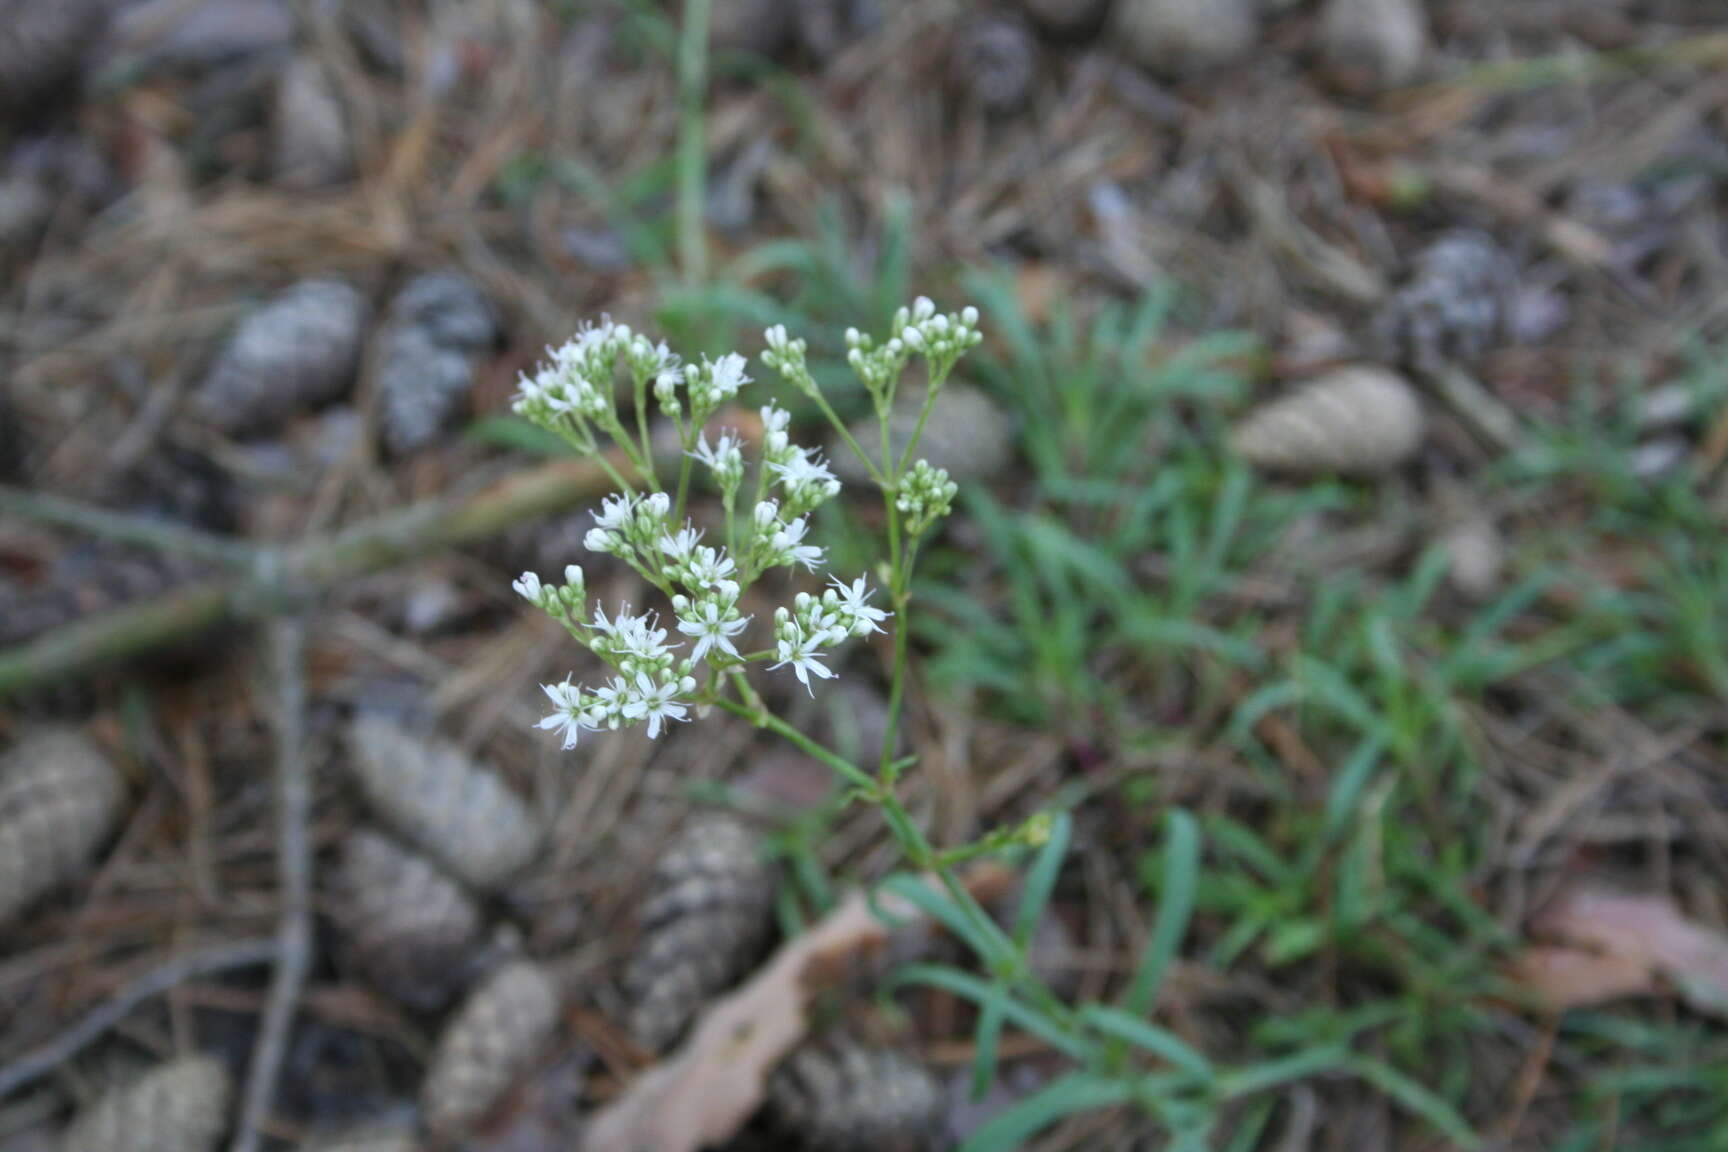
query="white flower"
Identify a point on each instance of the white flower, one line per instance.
(725, 456)
(712, 627)
(607, 627)
(657, 505)
(573, 575)
(854, 604)
(636, 637)
(775, 440)
(601, 540)
(615, 511)
(678, 546)
(802, 469)
(721, 455)
(529, 588)
(655, 702)
(708, 568)
(729, 376)
(800, 652)
(787, 545)
(568, 712)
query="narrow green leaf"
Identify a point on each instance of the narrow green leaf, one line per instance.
(1260, 1077)
(1041, 880)
(983, 993)
(984, 1058)
(1416, 1099)
(1158, 1041)
(941, 907)
(1175, 907)
(1076, 1092)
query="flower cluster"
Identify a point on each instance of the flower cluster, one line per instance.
(944, 338)
(786, 356)
(925, 496)
(573, 392)
(658, 672)
(708, 385)
(814, 624)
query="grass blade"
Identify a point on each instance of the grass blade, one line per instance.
(1149, 1037)
(1076, 1092)
(1441, 1116)
(1041, 880)
(1175, 907)
(983, 994)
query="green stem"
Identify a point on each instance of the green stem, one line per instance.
(683, 488)
(759, 715)
(896, 689)
(936, 383)
(692, 144)
(640, 389)
(870, 465)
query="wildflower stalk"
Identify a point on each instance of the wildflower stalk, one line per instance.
(655, 683)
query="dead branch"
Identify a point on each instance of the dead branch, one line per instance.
(321, 562)
(704, 1093)
(285, 660)
(94, 1024)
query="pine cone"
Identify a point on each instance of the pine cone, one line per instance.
(42, 46)
(456, 811)
(1475, 556)
(1368, 46)
(840, 1096)
(177, 1107)
(59, 800)
(311, 148)
(966, 433)
(411, 926)
(1178, 38)
(440, 325)
(994, 60)
(1358, 421)
(706, 920)
(299, 350)
(494, 1037)
(1453, 307)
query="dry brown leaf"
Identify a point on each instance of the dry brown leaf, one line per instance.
(1565, 977)
(1618, 944)
(706, 1091)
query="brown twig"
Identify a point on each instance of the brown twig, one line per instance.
(94, 1024)
(316, 564)
(285, 660)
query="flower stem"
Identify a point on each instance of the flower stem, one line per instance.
(758, 714)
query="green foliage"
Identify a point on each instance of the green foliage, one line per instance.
(1123, 1057)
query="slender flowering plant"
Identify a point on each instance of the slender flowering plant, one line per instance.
(695, 651)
